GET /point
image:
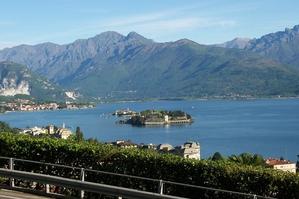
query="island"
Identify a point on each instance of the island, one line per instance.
(158, 117)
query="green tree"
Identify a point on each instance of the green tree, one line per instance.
(248, 159)
(217, 156)
(79, 137)
(4, 127)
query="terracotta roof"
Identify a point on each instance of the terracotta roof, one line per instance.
(272, 162)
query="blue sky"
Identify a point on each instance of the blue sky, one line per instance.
(206, 22)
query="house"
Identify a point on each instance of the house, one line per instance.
(63, 133)
(148, 146)
(165, 147)
(189, 150)
(125, 144)
(51, 129)
(283, 165)
(35, 131)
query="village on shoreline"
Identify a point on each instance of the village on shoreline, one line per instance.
(29, 105)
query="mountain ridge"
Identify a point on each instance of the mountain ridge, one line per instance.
(281, 45)
(115, 65)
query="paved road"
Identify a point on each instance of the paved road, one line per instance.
(8, 194)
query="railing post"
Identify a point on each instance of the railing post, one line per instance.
(160, 188)
(47, 188)
(82, 178)
(254, 196)
(11, 167)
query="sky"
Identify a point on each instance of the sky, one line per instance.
(203, 21)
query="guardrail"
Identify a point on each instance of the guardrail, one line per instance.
(87, 186)
(118, 191)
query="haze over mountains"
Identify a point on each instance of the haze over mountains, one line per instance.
(131, 66)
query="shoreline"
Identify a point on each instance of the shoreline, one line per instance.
(163, 99)
(196, 99)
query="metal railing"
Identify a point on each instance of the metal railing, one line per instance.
(84, 186)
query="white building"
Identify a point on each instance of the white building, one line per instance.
(51, 129)
(190, 150)
(165, 147)
(63, 133)
(35, 131)
(283, 165)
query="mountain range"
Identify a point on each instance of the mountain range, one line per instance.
(111, 65)
(281, 46)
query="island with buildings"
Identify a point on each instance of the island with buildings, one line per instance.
(158, 117)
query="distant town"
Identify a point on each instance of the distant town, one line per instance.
(29, 105)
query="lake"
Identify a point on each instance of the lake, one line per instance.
(269, 127)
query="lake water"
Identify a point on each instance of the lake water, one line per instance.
(267, 127)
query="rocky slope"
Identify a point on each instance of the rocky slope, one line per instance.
(282, 46)
(16, 79)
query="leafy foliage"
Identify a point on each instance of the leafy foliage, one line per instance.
(4, 127)
(79, 137)
(147, 163)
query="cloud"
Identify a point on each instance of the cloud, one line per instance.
(152, 24)
(159, 22)
(158, 25)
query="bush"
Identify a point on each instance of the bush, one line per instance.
(147, 163)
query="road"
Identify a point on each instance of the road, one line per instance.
(8, 194)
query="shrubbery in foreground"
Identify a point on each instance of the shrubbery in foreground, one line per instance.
(216, 174)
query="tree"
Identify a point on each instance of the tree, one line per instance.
(248, 159)
(79, 137)
(217, 156)
(4, 127)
